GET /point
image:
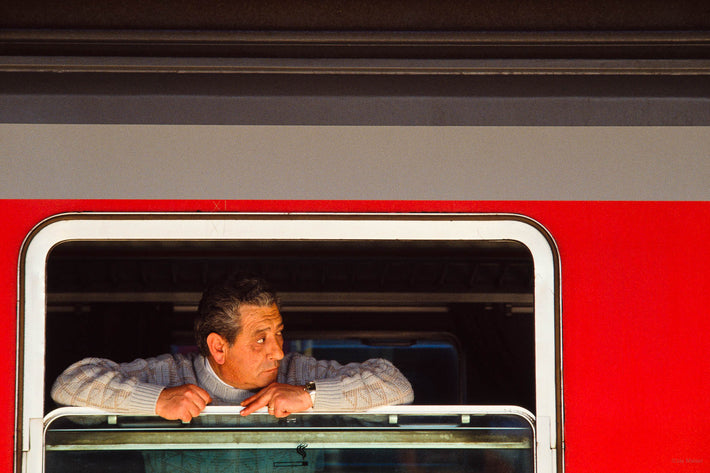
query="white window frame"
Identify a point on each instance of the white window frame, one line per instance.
(312, 226)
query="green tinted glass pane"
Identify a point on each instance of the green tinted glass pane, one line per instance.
(291, 460)
(301, 443)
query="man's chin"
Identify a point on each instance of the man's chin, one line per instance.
(270, 376)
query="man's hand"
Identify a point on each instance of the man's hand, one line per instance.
(182, 402)
(280, 399)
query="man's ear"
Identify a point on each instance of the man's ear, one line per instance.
(217, 344)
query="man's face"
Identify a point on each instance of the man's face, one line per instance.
(252, 362)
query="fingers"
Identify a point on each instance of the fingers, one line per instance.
(182, 402)
(274, 405)
(257, 401)
(204, 395)
(254, 397)
(279, 399)
(279, 412)
(188, 401)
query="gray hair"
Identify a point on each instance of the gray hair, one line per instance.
(218, 311)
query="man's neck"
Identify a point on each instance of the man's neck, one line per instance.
(213, 368)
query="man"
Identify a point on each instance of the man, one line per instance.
(241, 362)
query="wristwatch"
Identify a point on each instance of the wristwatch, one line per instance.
(310, 388)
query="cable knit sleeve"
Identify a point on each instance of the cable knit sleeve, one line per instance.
(131, 388)
(351, 387)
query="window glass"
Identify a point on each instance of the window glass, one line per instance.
(403, 441)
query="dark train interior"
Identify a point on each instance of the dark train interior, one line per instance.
(456, 317)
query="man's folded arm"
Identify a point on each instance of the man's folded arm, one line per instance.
(125, 388)
(352, 387)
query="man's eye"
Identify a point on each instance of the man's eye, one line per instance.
(261, 340)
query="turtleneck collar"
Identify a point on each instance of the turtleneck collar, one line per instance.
(221, 392)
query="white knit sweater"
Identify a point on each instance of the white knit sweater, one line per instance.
(133, 388)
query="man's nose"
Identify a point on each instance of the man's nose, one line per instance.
(276, 351)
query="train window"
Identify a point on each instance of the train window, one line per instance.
(466, 306)
(392, 439)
